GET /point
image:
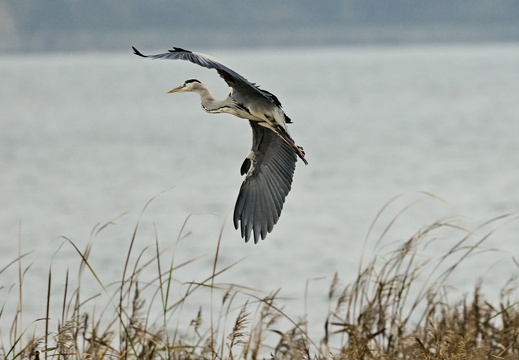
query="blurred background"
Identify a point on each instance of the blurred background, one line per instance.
(63, 25)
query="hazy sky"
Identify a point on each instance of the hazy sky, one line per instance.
(40, 25)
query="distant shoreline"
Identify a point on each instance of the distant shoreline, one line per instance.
(115, 40)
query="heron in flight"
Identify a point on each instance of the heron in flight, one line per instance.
(269, 166)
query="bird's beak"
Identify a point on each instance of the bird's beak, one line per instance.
(178, 89)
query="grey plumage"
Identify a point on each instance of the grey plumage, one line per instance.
(267, 183)
(270, 165)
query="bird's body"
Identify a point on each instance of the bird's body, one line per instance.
(270, 165)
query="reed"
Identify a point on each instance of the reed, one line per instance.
(396, 308)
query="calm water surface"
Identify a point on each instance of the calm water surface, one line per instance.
(85, 138)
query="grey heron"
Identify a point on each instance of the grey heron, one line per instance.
(269, 166)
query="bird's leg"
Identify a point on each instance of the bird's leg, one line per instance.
(286, 138)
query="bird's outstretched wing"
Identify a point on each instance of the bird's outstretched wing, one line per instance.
(231, 77)
(270, 169)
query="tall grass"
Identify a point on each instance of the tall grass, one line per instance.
(397, 307)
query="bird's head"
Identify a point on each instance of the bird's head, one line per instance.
(187, 86)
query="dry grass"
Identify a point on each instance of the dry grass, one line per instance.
(396, 308)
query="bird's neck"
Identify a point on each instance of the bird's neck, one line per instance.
(209, 103)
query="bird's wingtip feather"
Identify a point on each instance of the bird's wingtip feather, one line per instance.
(137, 52)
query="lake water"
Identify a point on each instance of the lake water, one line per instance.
(87, 137)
